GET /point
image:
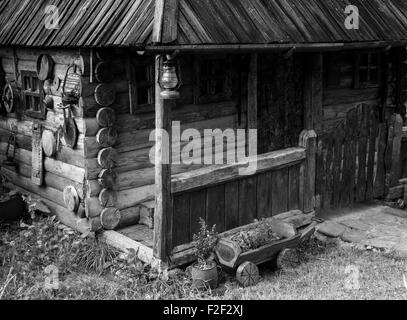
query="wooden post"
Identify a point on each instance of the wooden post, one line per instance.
(313, 119)
(308, 140)
(252, 93)
(313, 91)
(163, 198)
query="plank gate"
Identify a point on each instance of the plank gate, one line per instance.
(359, 160)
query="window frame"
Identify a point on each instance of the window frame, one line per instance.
(149, 85)
(358, 84)
(226, 92)
(37, 114)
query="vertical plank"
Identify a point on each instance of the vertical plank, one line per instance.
(181, 220)
(170, 22)
(231, 205)
(308, 140)
(395, 159)
(163, 212)
(247, 200)
(158, 21)
(252, 92)
(313, 91)
(388, 154)
(362, 153)
(280, 191)
(320, 173)
(197, 210)
(338, 159)
(264, 195)
(380, 165)
(329, 167)
(373, 133)
(215, 207)
(293, 187)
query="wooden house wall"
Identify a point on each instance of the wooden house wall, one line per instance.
(67, 167)
(134, 170)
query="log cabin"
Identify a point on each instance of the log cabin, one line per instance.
(86, 114)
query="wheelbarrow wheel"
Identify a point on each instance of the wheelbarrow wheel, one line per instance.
(247, 274)
(277, 262)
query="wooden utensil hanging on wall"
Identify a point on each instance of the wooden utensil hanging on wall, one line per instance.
(49, 143)
(45, 67)
(71, 198)
(10, 97)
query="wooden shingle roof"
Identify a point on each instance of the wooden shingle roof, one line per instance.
(130, 23)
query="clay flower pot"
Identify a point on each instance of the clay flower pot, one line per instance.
(205, 279)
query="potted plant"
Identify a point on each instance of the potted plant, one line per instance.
(204, 272)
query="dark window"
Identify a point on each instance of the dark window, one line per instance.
(145, 84)
(338, 69)
(33, 93)
(211, 80)
(367, 69)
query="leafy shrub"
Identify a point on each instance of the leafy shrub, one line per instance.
(205, 242)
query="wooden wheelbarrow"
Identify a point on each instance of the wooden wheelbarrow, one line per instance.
(232, 259)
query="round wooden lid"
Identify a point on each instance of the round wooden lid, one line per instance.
(71, 198)
(45, 67)
(49, 143)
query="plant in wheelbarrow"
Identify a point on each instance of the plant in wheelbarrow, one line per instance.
(204, 272)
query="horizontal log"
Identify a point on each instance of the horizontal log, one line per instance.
(91, 127)
(124, 243)
(53, 122)
(50, 179)
(219, 174)
(133, 197)
(65, 216)
(345, 96)
(25, 183)
(65, 154)
(59, 56)
(139, 139)
(93, 208)
(129, 217)
(184, 114)
(59, 168)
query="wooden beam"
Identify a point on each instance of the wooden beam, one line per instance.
(158, 21)
(313, 91)
(165, 28)
(170, 22)
(163, 212)
(218, 174)
(308, 140)
(252, 92)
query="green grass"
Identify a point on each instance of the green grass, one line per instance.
(90, 270)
